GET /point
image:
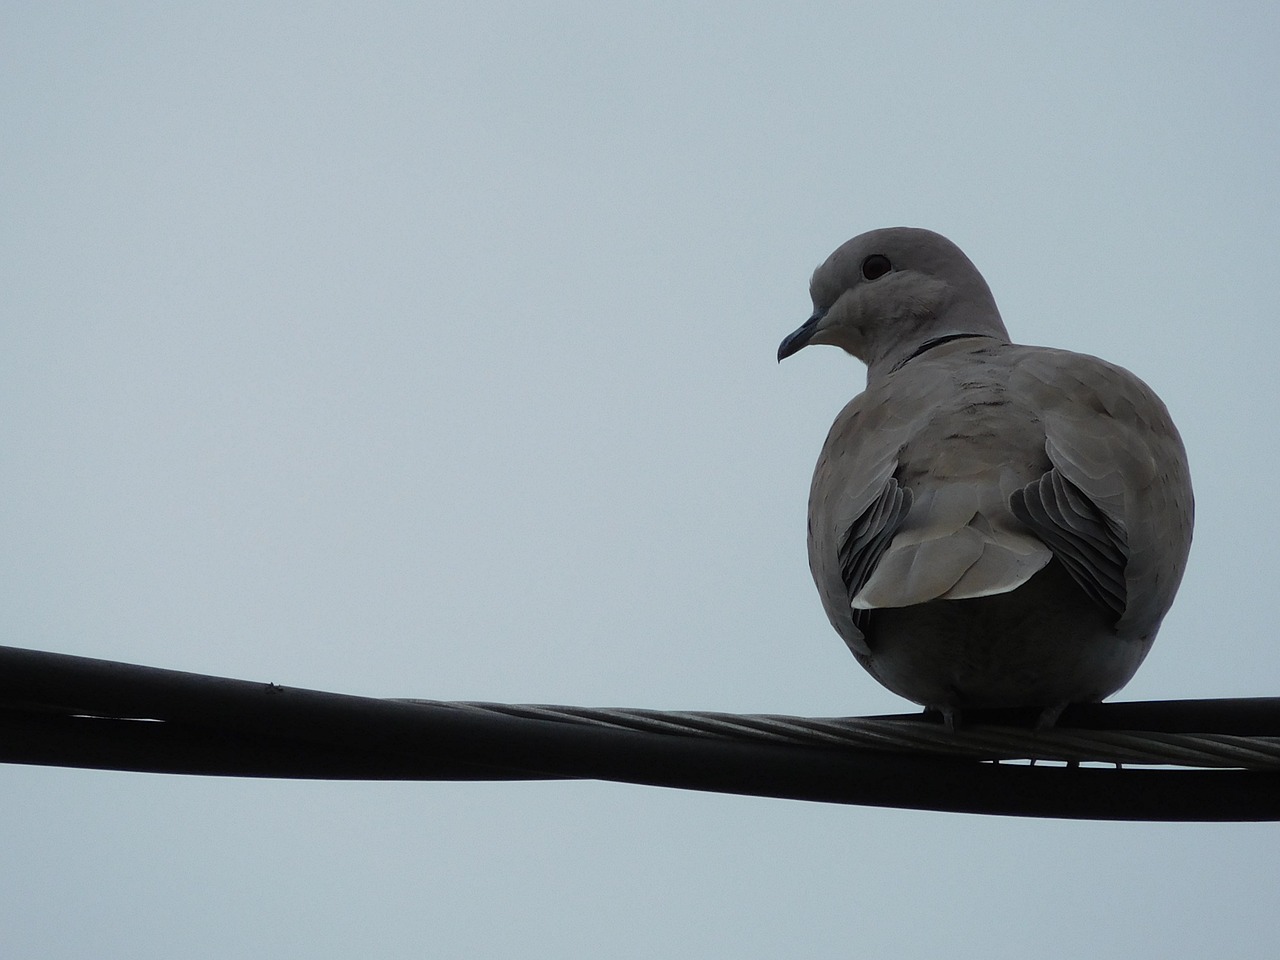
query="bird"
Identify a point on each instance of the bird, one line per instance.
(991, 525)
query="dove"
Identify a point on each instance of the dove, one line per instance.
(991, 525)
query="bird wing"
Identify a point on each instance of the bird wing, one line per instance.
(910, 498)
(855, 508)
(1116, 508)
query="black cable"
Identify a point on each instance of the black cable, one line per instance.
(73, 711)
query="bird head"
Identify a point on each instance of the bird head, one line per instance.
(885, 294)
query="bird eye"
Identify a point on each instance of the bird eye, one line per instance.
(875, 267)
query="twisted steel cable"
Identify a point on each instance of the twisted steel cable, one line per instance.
(911, 735)
(1182, 760)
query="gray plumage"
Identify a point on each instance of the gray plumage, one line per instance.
(990, 525)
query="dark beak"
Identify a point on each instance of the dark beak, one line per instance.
(798, 340)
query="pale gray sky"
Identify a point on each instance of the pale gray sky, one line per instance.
(405, 350)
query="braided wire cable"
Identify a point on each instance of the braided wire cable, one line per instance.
(1174, 760)
(990, 743)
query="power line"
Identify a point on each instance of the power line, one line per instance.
(61, 710)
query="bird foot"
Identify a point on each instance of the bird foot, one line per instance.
(1049, 716)
(950, 716)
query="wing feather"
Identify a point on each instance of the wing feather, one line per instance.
(868, 539)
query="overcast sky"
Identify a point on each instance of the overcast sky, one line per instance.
(429, 350)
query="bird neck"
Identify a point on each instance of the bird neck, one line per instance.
(893, 361)
(935, 342)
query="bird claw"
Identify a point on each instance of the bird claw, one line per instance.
(1049, 716)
